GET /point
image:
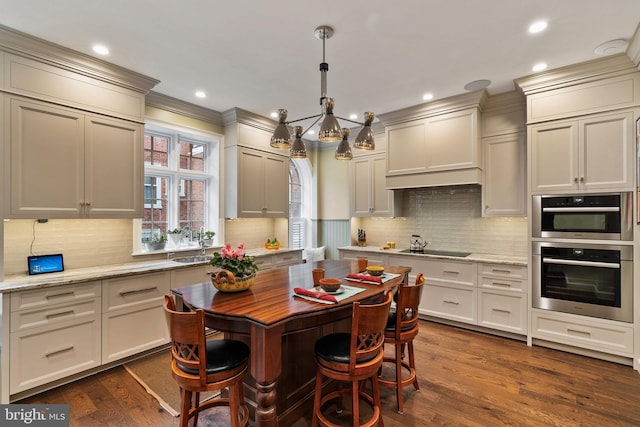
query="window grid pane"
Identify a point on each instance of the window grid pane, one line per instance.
(156, 150)
(192, 156)
(154, 220)
(192, 204)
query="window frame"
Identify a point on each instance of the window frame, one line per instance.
(175, 175)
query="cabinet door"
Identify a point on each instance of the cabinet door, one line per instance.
(114, 169)
(554, 157)
(382, 199)
(504, 189)
(263, 182)
(453, 141)
(276, 181)
(251, 186)
(361, 187)
(607, 152)
(46, 161)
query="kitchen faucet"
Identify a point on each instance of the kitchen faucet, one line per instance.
(201, 241)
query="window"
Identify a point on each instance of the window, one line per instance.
(299, 203)
(180, 183)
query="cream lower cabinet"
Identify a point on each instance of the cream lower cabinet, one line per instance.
(281, 259)
(605, 336)
(369, 196)
(54, 333)
(595, 153)
(64, 163)
(502, 297)
(190, 275)
(132, 315)
(373, 258)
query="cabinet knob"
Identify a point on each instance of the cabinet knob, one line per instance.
(582, 179)
(575, 179)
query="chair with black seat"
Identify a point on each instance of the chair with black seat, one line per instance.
(200, 365)
(353, 357)
(402, 327)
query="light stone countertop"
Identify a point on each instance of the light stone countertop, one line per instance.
(475, 257)
(24, 281)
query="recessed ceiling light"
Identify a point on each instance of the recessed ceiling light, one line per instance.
(274, 114)
(100, 49)
(611, 47)
(538, 26)
(477, 84)
(353, 116)
(201, 94)
(427, 96)
(311, 131)
(539, 67)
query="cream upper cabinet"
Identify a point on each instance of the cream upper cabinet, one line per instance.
(369, 196)
(433, 147)
(62, 163)
(259, 186)
(503, 192)
(595, 153)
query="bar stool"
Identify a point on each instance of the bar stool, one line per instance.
(353, 357)
(199, 365)
(402, 327)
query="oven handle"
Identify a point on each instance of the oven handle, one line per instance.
(581, 263)
(583, 209)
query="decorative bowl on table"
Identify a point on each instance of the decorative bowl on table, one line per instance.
(375, 270)
(330, 284)
(225, 281)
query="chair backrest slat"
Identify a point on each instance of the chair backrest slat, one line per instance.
(367, 329)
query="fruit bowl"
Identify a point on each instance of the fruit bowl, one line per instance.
(375, 270)
(330, 284)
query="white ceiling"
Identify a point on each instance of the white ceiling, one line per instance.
(263, 55)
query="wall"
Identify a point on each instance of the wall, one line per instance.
(83, 242)
(449, 218)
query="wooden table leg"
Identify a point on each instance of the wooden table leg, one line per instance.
(266, 366)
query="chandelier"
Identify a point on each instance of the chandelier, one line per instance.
(330, 130)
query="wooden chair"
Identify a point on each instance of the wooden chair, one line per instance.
(199, 365)
(353, 357)
(402, 327)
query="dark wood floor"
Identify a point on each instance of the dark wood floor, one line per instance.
(466, 379)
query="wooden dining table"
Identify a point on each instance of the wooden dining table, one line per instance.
(281, 330)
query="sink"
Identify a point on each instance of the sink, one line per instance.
(436, 252)
(189, 259)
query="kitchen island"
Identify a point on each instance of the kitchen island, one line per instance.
(281, 331)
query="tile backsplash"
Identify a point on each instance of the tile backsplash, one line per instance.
(449, 218)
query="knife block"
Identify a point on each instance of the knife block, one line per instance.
(362, 243)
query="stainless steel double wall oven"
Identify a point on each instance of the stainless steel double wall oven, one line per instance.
(582, 254)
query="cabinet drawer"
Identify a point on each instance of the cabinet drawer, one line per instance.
(120, 340)
(446, 272)
(129, 291)
(45, 297)
(26, 319)
(449, 303)
(289, 258)
(264, 262)
(516, 272)
(42, 355)
(504, 311)
(503, 284)
(599, 335)
(191, 275)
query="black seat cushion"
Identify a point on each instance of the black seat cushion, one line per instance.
(222, 355)
(335, 348)
(391, 324)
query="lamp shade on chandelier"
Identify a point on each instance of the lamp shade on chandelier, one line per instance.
(330, 129)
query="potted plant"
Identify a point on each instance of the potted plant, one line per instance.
(207, 237)
(156, 243)
(237, 269)
(176, 235)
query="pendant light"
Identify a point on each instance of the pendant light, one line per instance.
(330, 129)
(343, 152)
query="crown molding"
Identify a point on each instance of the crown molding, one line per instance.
(465, 101)
(178, 106)
(28, 46)
(239, 116)
(609, 66)
(633, 50)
